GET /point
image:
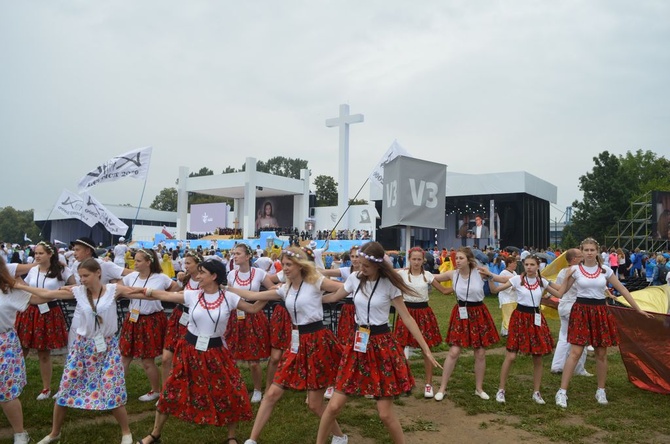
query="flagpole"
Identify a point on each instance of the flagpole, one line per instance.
(45, 222)
(132, 225)
(349, 206)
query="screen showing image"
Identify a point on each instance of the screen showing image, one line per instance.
(274, 212)
(660, 215)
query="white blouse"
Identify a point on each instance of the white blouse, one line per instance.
(379, 302)
(157, 281)
(105, 307)
(203, 322)
(418, 284)
(304, 304)
(468, 289)
(10, 303)
(36, 278)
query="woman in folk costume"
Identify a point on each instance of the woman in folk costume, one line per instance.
(471, 324)
(590, 321)
(373, 363)
(143, 330)
(528, 330)
(178, 320)
(93, 377)
(416, 278)
(249, 335)
(205, 386)
(43, 327)
(312, 359)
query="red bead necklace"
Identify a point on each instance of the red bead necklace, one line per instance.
(245, 282)
(211, 305)
(590, 275)
(530, 286)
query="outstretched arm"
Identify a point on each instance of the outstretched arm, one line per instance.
(341, 293)
(441, 288)
(268, 295)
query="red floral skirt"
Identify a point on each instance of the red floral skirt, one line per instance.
(46, 331)
(592, 324)
(526, 337)
(175, 331)
(280, 328)
(205, 387)
(479, 330)
(346, 325)
(143, 339)
(381, 372)
(249, 338)
(427, 322)
(315, 365)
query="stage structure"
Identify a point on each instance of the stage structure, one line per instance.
(261, 199)
(497, 209)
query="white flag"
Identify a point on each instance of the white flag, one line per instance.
(72, 205)
(133, 164)
(94, 208)
(395, 150)
(26, 238)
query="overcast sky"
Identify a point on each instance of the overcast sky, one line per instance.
(482, 86)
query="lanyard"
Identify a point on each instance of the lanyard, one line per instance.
(467, 290)
(44, 282)
(143, 286)
(202, 296)
(532, 299)
(95, 310)
(295, 303)
(369, 299)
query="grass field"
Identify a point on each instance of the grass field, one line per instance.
(632, 416)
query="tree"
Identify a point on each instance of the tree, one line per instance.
(326, 191)
(358, 202)
(166, 200)
(14, 224)
(204, 171)
(282, 166)
(612, 185)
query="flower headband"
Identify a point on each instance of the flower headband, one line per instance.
(590, 240)
(46, 246)
(148, 254)
(291, 254)
(371, 258)
(195, 256)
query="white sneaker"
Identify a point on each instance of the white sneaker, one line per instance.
(439, 396)
(407, 352)
(500, 396)
(250, 441)
(48, 439)
(482, 395)
(601, 397)
(428, 391)
(148, 397)
(44, 394)
(537, 397)
(589, 348)
(329, 392)
(127, 439)
(587, 374)
(256, 397)
(562, 399)
(21, 438)
(344, 439)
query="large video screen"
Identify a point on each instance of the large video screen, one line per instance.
(660, 217)
(274, 212)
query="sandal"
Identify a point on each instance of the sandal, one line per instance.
(154, 439)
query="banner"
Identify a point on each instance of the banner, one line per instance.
(71, 205)
(134, 164)
(97, 210)
(645, 348)
(414, 193)
(395, 150)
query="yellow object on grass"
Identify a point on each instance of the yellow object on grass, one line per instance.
(446, 266)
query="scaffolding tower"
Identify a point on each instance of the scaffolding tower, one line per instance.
(636, 232)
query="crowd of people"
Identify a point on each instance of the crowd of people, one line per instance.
(218, 324)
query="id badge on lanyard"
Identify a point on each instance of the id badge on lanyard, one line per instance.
(134, 315)
(462, 312)
(184, 318)
(202, 344)
(538, 320)
(361, 340)
(100, 344)
(241, 314)
(295, 341)
(44, 308)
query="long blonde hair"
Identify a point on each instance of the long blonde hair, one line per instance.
(300, 258)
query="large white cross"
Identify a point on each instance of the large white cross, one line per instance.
(343, 121)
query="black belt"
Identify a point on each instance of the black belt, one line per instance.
(348, 301)
(213, 342)
(527, 309)
(376, 329)
(53, 304)
(184, 308)
(469, 304)
(311, 328)
(280, 303)
(416, 304)
(589, 301)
